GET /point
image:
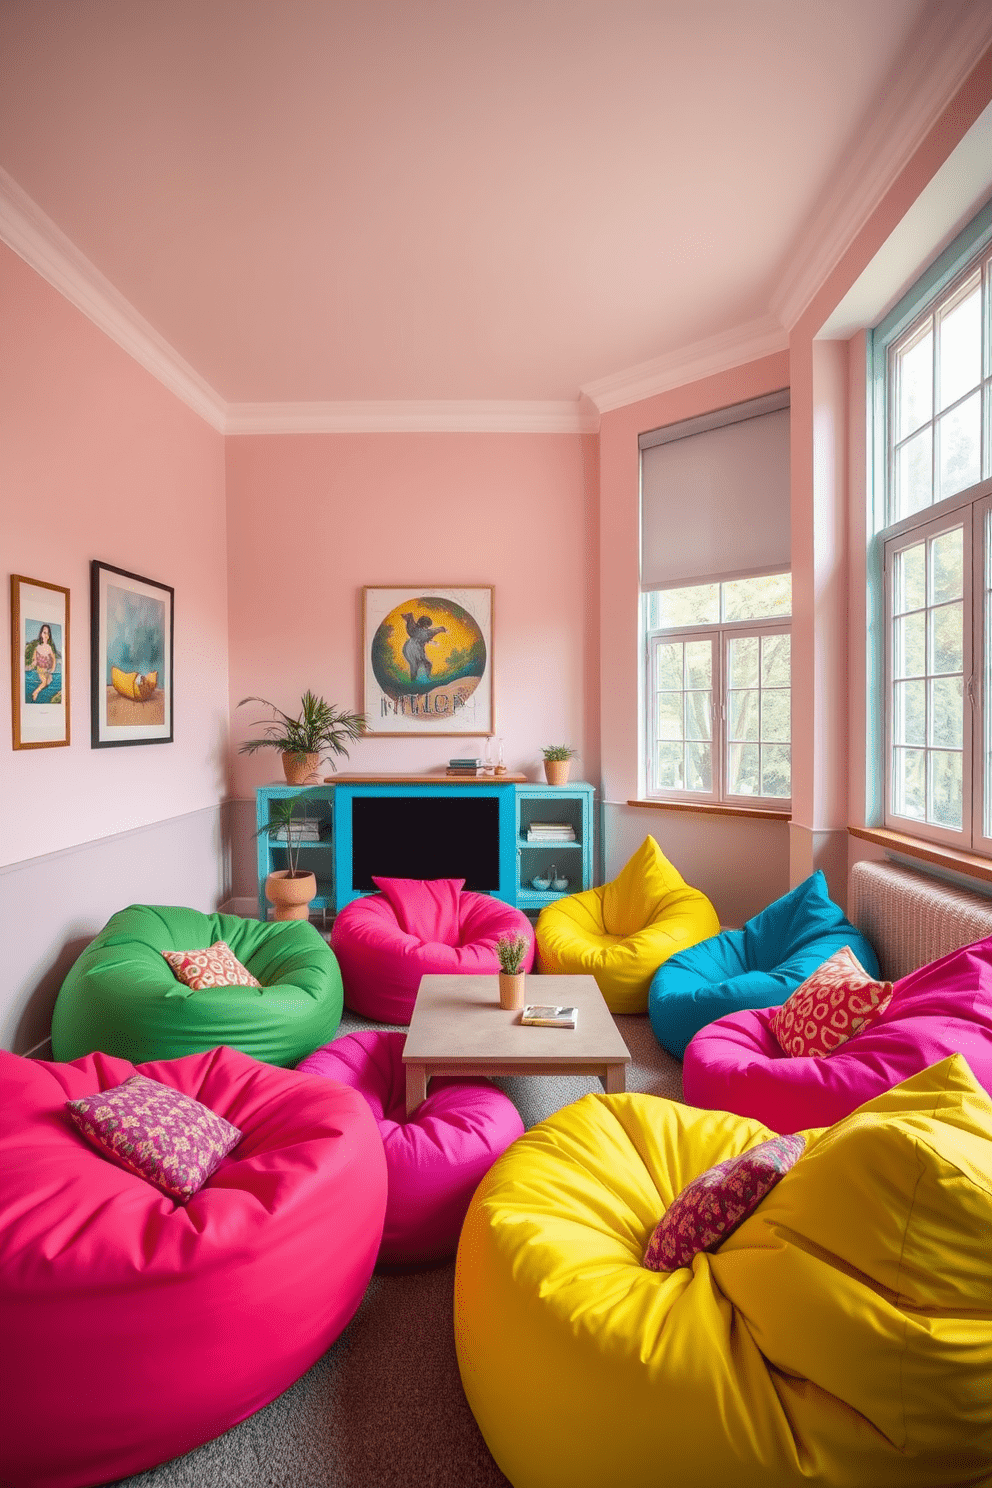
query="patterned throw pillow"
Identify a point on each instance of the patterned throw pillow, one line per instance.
(217, 966)
(829, 1007)
(715, 1203)
(158, 1133)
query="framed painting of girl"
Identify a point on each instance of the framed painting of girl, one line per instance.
(39, 629)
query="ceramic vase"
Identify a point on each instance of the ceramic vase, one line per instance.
(556, 771)
(301, 769)
(511, 989)
(290, 897)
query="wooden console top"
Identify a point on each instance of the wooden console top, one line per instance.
(437, 778)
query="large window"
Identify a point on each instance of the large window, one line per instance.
(933, 367)
(718, 691)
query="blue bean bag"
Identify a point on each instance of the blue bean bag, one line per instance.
(758, 966)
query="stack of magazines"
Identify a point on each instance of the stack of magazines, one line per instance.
(550, 832)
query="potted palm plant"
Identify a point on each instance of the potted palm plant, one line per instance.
(289, 890)
(318, 732)
(557, 763)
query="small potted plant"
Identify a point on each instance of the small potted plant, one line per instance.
(318, 732)
(289, 890)
(511, 951)
(557, 763)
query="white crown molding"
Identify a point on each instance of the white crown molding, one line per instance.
(948, 43)
(456, 417)
(32, 235)
(720, 353)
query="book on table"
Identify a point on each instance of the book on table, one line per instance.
(543, 1015)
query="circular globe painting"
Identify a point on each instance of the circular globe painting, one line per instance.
(430, 652)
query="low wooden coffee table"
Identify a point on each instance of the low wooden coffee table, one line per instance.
(459, 1028)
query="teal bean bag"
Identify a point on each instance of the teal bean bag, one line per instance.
(121, 996)
(758, 966)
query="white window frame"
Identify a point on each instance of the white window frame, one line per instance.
(719, 634)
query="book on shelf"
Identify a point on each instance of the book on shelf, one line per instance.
(562, 836)
(467, 772)
(541, 1015)
(460, 764)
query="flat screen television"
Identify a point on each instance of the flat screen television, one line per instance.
(455, 832)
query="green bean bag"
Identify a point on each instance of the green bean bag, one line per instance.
(122, 998)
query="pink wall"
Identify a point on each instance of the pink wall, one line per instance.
(313, 518)
(98, 460)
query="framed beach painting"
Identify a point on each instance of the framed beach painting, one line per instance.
(427, 657)
(39, 673)
(131, 625)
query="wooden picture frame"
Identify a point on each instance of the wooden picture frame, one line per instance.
(414, 682)
(39, 693)
(131, 638)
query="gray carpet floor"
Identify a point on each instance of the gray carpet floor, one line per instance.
(384, 1407)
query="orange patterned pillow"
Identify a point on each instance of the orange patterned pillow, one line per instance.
(829, 1007)
(217, 966)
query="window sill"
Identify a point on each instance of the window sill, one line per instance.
(967, 863)
(704, 808)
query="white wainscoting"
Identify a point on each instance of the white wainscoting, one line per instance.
(52, 906)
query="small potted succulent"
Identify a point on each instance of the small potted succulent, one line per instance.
(557, 763)
(511, 952)
(289, 890)
(317, 732)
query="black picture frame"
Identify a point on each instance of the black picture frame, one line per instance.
(132, 622)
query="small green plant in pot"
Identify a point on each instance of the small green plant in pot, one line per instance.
(318, 732)
(511, 953)
(290, 889)
(557, 763)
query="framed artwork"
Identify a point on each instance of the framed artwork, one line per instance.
(131, 623)
(427, 660)
(39, 672)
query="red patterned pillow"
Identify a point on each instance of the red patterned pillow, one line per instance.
(217, 966)
(158, 1133)
(829, 1007)
(715, 1203)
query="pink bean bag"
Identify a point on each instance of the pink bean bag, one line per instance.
(436, 1158)
(134, 1328)
(386, 942)
(736, 1064)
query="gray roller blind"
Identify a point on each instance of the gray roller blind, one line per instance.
(715, 495)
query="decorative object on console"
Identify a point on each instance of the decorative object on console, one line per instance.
(427, 660)
(39, 663)
(131, 638)
(317, 733)
(511, 953)
(291, 889)
(557, 763)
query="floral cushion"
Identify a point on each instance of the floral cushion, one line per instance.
(157, 1132)
(715, 1203)
(217, 966)
(829, 1007)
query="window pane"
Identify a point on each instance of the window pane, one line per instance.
(946, 711)
(959, 347)
(776, 770)
(743, 711)
(914, 379)
(697, 604)
(757, 599)
(910, 571)
(670, 767)
(909, 713)
(909, 646)
(699, 773)
(699, 715)
(909, 783)
(743, 770)
(945, 788)
(743, 660)
(669, 725)
(776, 720)
(699, 664)
(668, 664)
(948, 639)
(960, 434)
(776, 661)
(914, 475)
(947, 566)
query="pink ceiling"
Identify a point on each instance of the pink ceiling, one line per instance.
(326, 200)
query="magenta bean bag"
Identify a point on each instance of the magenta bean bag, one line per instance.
(436, 1158)
(944, 1008)
(135, 1328)
(386, 942)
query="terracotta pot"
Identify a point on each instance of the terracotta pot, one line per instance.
(511, 989)
(301, 769)
(556, 771)
(290, 897)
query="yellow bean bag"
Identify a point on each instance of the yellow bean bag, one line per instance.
(621, 932)
(841, 1337)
